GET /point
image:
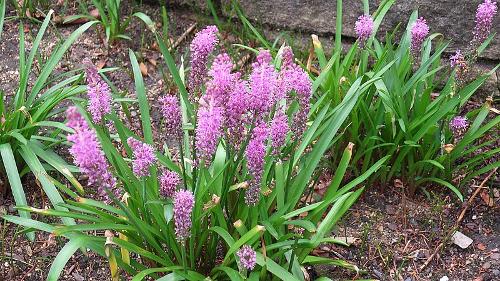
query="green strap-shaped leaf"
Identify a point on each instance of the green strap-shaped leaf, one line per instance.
(58, 163)
(54, 60)
(231, 273)
(47, 185)
(2, 16)
(275, 268)
(251, 234)
(142, 98)
(10, 166)
(29, 223)
(445, 183)
(64, 255)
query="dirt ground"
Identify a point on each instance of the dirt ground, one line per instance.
(391, 236)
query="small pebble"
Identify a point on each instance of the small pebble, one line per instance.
(444, 278)
(378, 273)
(486, 265)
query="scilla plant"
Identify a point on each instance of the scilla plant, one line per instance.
(409, 113)
(27, 128)
(223, 194)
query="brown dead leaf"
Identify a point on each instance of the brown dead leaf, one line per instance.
(152, 61)
(155, 47)
(487, 199)
(398, 183)
(481, 246)
(144, 69)
(100, 64)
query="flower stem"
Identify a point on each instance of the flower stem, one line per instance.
(183, 164)
(184, 260)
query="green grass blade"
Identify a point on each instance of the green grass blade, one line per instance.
(64, 255)
(444, 183)
(10, 166)
(251, 234)
(142, 98)
(2, 15)
(23, 83)
(54, 60)
(57, 162)
(275, 268)
(47, 185)
(29, 223)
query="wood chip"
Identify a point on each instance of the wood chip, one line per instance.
(481, 246)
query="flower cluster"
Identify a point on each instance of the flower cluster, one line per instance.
(88, 155)
(99, 94)
(250, 111)
(171, 112)
(247, 256)
(255, 153)
(144, 157)
(168, 183)
(263, 81)
(459, 62)
(209, 130)
(364, 28)
(183, 207)
(202, 45)
(279, 130)
(419, 32)
(458, 126)
(485, 13)
(295, 83)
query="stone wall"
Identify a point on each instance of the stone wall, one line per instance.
(452, 18)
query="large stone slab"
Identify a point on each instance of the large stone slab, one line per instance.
(453, 18)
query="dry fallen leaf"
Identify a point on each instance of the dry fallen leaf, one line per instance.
(398, 183)
(481, 246)
(487, 199)
(152, 61)
(100, 64)
(144, 69)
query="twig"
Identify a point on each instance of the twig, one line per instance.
(432, 256)
(183, 37)
(469, 202)
(460, 218)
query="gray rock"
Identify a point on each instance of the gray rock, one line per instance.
(461, 240)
